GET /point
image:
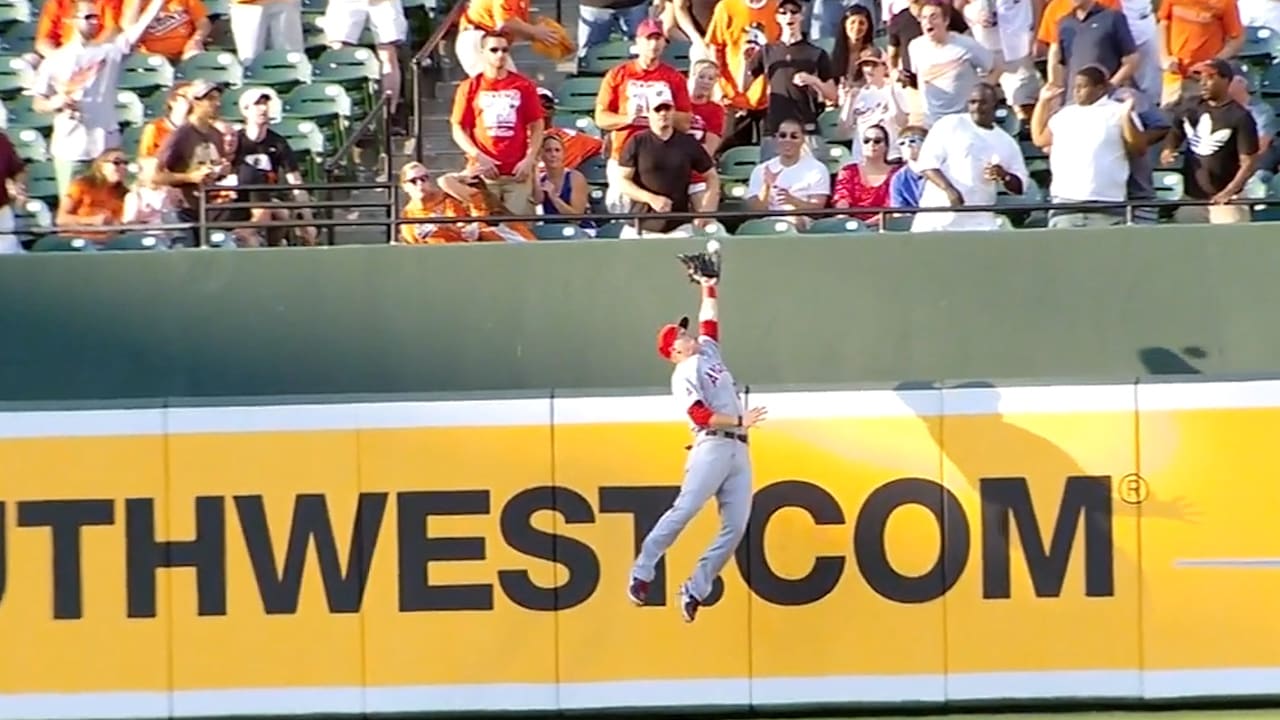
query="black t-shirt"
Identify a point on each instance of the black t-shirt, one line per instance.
(1216, 137)
(905, 27)
(185, 149)
(780, 62)
(662, 167)
(265, 161)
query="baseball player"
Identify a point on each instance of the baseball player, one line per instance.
(718, 463)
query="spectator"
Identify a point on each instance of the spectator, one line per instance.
(878, 102)
(96, 198)
(947, 65)
(1093, 35)
(578, 146)
(1190, 33)
(426, 200)
(907, 183)
(693, 18)
(1089, 143)
(560, 190)
(1221, 146)
(965, 159)
(497, 122)
(13, 191)
(261, 156)
(469, 188)
(1004, 29)
(58, 16)
(77, 83)
(344, 23)
(827, 16)
(739, 29)
(1142, 183)
(149, 202)
(854, 41)
(484, 18)
(654, 170)
(258, 25)
(195, 156)
(157, 131)
(904, 27)
(1260, 13)
(793, 180)
(866, 184)
(706, 125)
(622, 106)
(799, 78)
(598, 18)
(1147, 74)
(178, 32)
(1264, 116)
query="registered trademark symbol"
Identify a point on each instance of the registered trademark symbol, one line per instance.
(1133, 489)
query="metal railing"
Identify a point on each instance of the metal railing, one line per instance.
(423, 60)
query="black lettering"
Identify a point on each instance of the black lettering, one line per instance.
(144, 554)
(754, 566)
(64, 518)
(343, 590)
(577, 557)
(1085, 499)
(646, 504)
(873, 557)
(418, 550)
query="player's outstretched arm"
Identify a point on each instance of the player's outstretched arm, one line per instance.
(709, 311)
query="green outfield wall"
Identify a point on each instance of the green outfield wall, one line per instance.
(1105, 304)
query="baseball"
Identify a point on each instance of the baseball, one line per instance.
(713, 246)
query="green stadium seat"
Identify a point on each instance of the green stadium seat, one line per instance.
(217, 66)
(677, 55)
(156, 105)
(835, 226)
(63, 243)
(897, 223)
(1260, 43)
(30, 144)
(18, 38)
(354, 68)
(42, 183)
(1269, 85)
(736, 163)
(217, 8)
(280, 70)
(15, 75)
(578, 95)
(611, 230)
(134, 241)
(1169, 184)
(581, 123)
(146, 74)
(130, 107)
(599, 59)
(22, 115)
(1008, 120)
(16, 12)
(765, 226)
(30, 215)
(325, 104)
(559, 231)
(833, 156)
(130, 137)
(593, 168)
(829, 127)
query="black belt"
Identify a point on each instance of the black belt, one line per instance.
(740, 437)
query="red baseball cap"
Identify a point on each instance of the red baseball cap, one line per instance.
(650, 26)
(667, 337)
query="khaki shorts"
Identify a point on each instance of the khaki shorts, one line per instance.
(1212, 214)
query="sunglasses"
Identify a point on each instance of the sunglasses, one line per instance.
(118, 162)
(873, 140)
(500, 50)
(91, 18)
(789, 136)
(788, 11)
(909, 141)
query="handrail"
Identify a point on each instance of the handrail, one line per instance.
(380, 110)
(421, 60)
(437, 37)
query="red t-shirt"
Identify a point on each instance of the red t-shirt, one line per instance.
(497, 113)
(625, 90)
(708, 117)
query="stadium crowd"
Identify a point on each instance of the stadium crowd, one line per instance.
(773, 107)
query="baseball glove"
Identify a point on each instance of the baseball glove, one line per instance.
(700, 266)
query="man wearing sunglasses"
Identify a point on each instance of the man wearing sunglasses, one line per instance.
(801, 81)
(906, 185)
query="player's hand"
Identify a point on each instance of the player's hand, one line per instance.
(754, 416)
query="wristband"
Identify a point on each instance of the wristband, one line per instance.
(709, 291)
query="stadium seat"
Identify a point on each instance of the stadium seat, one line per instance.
(897, 223)
(280, 70)
(1008, 120)
(559, 231)
(62, 243)
(130, 137)
(146, 74)
(130, 107)
(354, 68)
(325, 104)
(1260, 43)
(134, 241)
(42, 183)
(30, 145)
(15, 75)
(610, 230)
(765, 226)
(217, 8)
(593, 168)
(217, 66)
(599, 59)
(829, 127)
(736, 163)
(677, 55)
(1269, 85)
(1169, 184)
(18, 38)
(581, 123)
(31, 214)
(155, 105)
(833, 156)
(836, 226)
(22, 115)
(16, 12)
(578, 95)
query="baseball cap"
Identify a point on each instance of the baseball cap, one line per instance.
(650, 26)
(255, 95)
(1221, 68)
(201, 89)
(659, 95)
(797, 4)
(667, 337)
(545, 95)
(756, 35)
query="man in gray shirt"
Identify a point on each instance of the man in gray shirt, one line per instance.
(948, 65)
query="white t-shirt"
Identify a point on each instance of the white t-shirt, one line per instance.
(1142, 19)
(704, 377)
(1088, 159)
(805, 179)
(877, 106)
(89, 74)
(1012, 34)
(948, 72)
(960, 149)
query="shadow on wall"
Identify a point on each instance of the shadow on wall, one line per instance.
(1164, 361)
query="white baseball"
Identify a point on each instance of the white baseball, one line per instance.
(713, 246)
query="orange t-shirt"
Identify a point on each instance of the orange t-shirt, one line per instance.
(1055, 10)
(478, 207)
(727, 35)
(51, 27)
(492, 14)
(84, 199)
(578, 146)
(1199, 29)
(497, 114)
(625, 89)
(173, 27)
(708, 117)
(153, 136)
(441, 205)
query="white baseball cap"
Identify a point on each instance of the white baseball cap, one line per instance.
(659, 95)
(254, 95)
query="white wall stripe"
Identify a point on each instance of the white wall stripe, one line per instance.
(765, 692)
(635, 409)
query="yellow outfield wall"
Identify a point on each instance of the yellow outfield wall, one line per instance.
(967, 544)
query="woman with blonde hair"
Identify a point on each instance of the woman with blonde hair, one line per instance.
(97, 196)
(706, 126)
(560, 190)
